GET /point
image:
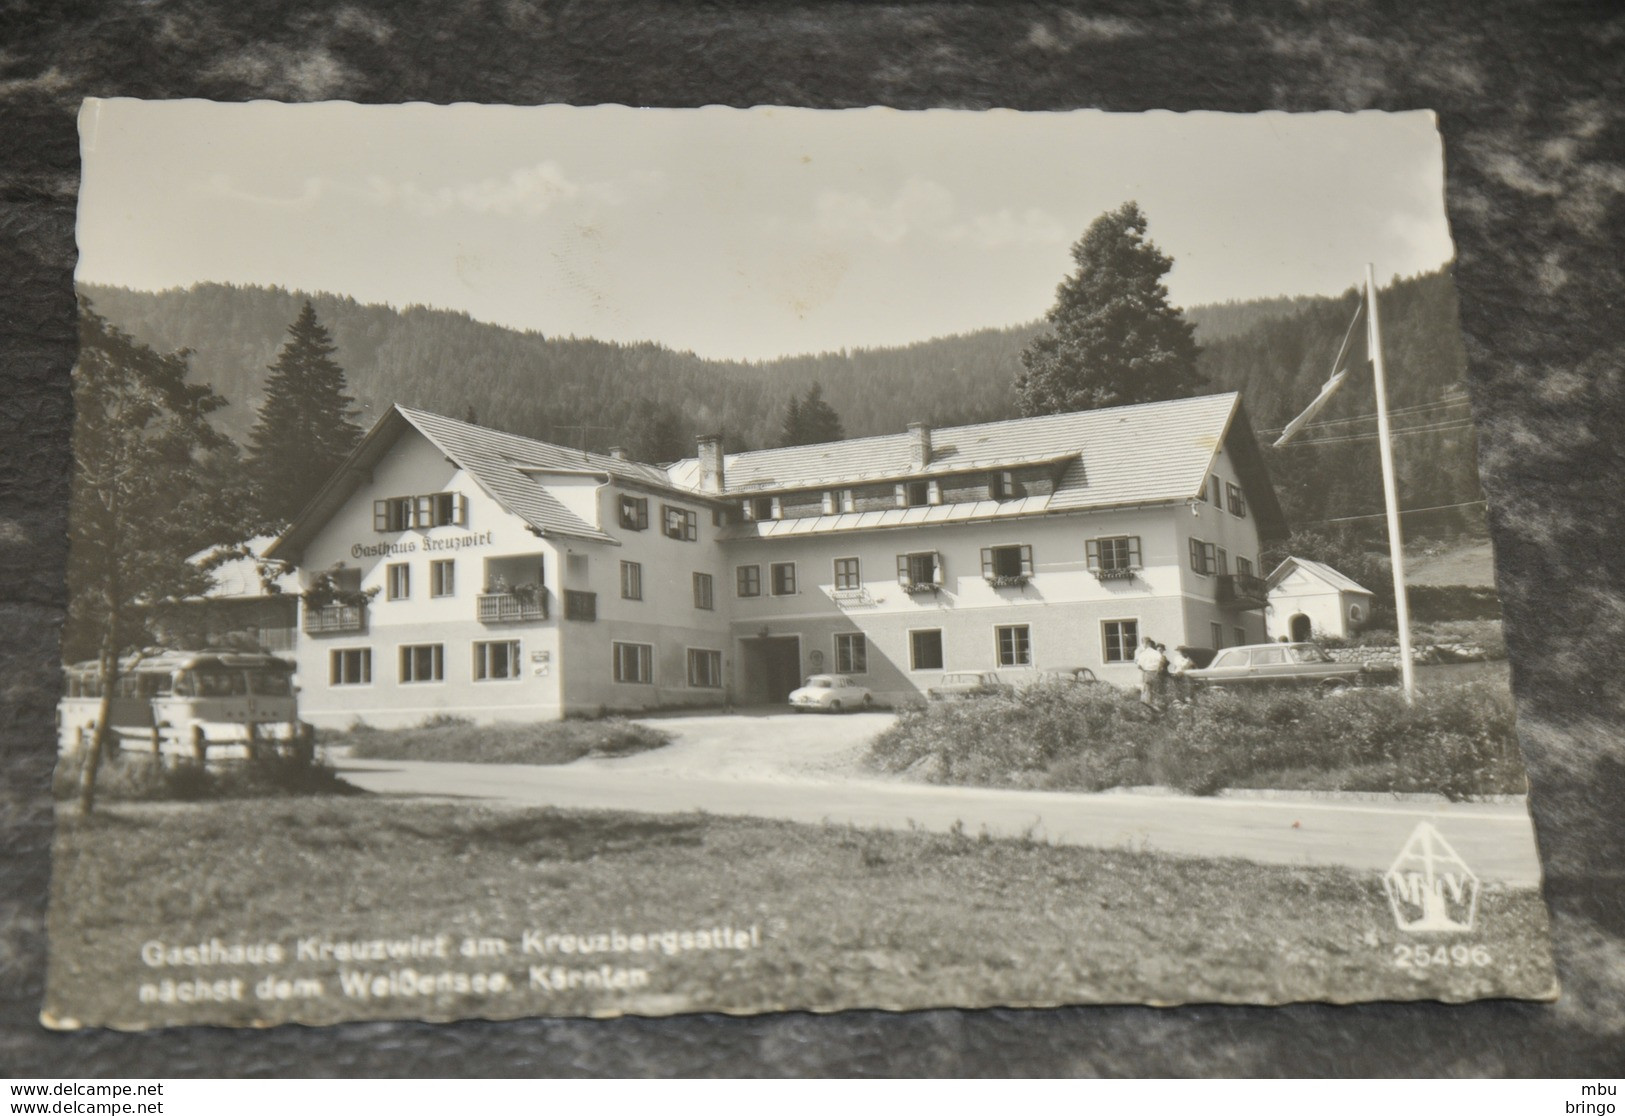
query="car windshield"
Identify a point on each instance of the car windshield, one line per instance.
(271, 683)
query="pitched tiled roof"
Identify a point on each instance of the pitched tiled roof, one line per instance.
(1318, 569)
(505, 465)
(1143, 453)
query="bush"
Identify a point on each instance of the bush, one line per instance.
(1457, 741)
(1454, 602)
(142, 777)
(456, 740)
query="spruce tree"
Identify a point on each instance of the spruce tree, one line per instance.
(1115, 338)
(809, 420)
(304, 430)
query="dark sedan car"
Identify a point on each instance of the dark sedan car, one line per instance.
(1286, 664)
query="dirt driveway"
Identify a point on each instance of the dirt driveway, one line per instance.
(759, 745)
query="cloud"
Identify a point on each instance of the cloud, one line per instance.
(924, 208)
(522, 192)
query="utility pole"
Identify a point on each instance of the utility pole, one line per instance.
(1396, 544)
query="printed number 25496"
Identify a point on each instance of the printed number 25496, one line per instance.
(1408, 956)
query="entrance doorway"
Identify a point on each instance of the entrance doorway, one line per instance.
(771, 669)
(1301, 628)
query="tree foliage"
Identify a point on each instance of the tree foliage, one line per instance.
(304, 430)
(1114, 337)
(142, 499)
(810, 420)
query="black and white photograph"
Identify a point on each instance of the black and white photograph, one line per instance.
(598, 561)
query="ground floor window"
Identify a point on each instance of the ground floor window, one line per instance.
(632, 581)
(925, 650)
(1216, 635)
(634, 662)
(498, 659)
(350, 666)
(851, 653)
(1015, 646)
(705, 669)
(1241, 636)
(1121, 637)
(423, 662)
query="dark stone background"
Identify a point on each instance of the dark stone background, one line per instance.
(1529, 99)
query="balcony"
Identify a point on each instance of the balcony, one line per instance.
(512, 608)
(335, 618)
(1242, 591)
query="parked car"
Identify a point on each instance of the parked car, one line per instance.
(1199, 656)
(960, 685)
(830, 693)
(1287, 664)
(1064, 676)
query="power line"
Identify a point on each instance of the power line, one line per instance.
(1437, 404)
(1403, 511)
(1435, 428)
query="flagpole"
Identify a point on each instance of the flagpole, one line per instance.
(1396, 544)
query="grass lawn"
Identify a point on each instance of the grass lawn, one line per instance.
(834, 918)
(543, 742)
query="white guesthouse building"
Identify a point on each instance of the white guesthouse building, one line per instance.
(458, 570)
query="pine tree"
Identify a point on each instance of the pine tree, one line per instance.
(809, 420)
(1115, 338)
(304, 430)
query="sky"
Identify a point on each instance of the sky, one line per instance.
(749, 233)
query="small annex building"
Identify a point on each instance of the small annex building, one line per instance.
(451, 569)
(1309, 599)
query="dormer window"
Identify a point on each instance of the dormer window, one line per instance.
(918, 494)
(1002, 486)
(761, 508)
(840, 500)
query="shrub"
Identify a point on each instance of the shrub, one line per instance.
(544, 742)
(141, 777)
(1458, 741)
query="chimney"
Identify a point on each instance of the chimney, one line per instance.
(711, 474)
(618, 452)
(919, 445)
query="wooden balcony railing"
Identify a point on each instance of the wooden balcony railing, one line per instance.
(508, 608)
(333, 618)
(1242, 591)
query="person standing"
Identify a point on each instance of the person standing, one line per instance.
(1178, 664)
(1151, 663)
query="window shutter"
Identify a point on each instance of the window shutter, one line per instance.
(1092, 549)
(1196, 555)
(933, 492)
(829, 503)
(902, 496)
(1134, 551)
(778, 508)
(1207, 558)
(460, 509)
(1027, 560)
(380, 515)
(987, 561)
(423, 515)
(903, 578)
(936, 570)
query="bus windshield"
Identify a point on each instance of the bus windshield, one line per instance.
(271, 683)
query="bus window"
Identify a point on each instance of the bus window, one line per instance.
(212, 683)
(156, 684)
(271, 683)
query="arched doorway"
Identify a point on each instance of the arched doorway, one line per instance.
(1301, 628)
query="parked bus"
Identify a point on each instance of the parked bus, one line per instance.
(188, 701)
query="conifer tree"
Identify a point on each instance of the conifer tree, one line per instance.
(809, 420)
(1115, 338)
(304, 430)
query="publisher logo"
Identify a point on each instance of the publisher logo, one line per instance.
(1430, 887)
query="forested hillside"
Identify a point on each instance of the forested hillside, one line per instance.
(650, 398)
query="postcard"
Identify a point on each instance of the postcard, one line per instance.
(600, 561)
